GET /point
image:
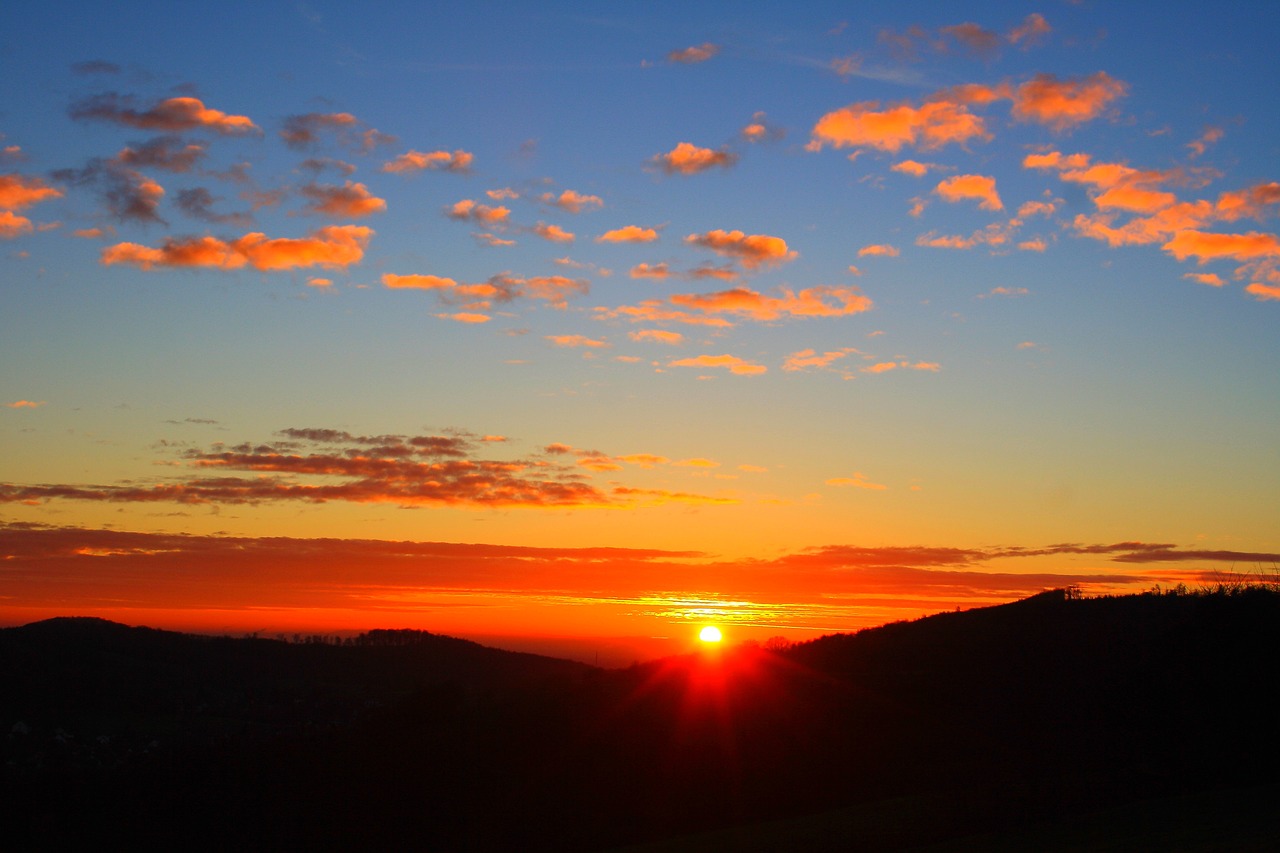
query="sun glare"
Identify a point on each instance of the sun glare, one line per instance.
(710, 634)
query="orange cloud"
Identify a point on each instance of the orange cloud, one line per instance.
(1062, 104)
(12, 225)
(502, 194)
(417, 161)
(319, 282)
(996, 234)
(628, 234)
(573, 202)
(1211, 279)
(806, 358)
(350, 201)
(466, 317)
(689, 159)
(1031, 31)
(977, 40)
(886, 366)
(331, 246)
(1264, 292)
(659, 270)
(1253, 202)
(173, 114)
(858, 480)
(552, 233)
(492, 239)
(302, 130)
(911, 167)
(657, 335)
(1206, 247)
(929, 126)
(24, 404)
(879, 249)
(704, 309)
(468, 210)
(1055, 160)
(696, 53)
(734, 364)
(1210, 136)
(573, 341)
(417, 282)
(20, 191)
(978, 187)
(753, 250)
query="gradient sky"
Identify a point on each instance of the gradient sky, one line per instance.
(500, 319)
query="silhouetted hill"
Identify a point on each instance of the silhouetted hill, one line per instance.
(983, 724)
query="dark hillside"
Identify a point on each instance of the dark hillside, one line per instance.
(978, 724)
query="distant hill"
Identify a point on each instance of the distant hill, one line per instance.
(981, 724)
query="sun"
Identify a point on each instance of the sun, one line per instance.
(710, 634)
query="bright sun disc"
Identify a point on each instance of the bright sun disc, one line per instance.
(710, 634)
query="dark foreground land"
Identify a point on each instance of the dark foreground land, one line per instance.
(1055, 723)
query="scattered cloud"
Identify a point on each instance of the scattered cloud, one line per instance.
(688, 159)
(694, 54)
(302, 131)
(25, 404)
(858, 481)
(170, 115)
(978, 187)
(1063, 104)
(629, 234)
(752, 250)
(572, 201)
(732, 363)
(660, 336)
(882, 250)
(576, 341)
(417, 161)
(331, 246)
(553, 233)
(349, 201)
(711, 309)
(1030, 32)
(468, 210)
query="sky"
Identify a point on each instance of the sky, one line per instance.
(538, 321)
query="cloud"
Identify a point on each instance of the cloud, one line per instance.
(469, 317)
(128, 194)
(12, 225)
(197, 202)
(1031, 31)
(417, 161)
(170, 115)
(913, 168)
(1210, 136)
(572, 201)
(995, 234)
(1005, 291)
(979, 42)
(576, 341)
(753, 250)
(732, 363)
(628, 234)
(170, 153)
(417, 282)
(1062, 104)
(553, 233)
(492, 239)
(25, 404)
(1263, 292)
(807, 358)
(1205, 247)
(1211, 279)
(301, 131)
(879, 250)
(18, 192)
(902, 364)
(858, 480)
(705, 309)
(658, 271)
(348, 201)
(332, 246)
(979, 187)
(660, 336)
(930, 126)
(471, 211)
(696, 53)
(689, 159)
